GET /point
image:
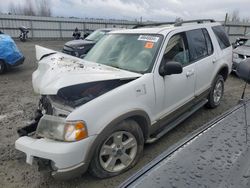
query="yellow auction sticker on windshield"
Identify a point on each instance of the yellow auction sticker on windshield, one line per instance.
(149, 45)
(148, 38)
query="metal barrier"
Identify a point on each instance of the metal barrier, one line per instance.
(51, 27)
(235, 30)
(59, 28)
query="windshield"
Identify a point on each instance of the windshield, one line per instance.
(96, 35)
(133, 52)
(247, 43)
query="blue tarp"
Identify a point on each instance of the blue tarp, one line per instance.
(8, 50)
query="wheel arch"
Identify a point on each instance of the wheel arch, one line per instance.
(5, 66)
(224, 72)
(3, 61)
(140, 116)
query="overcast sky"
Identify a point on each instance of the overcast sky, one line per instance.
(158, 10)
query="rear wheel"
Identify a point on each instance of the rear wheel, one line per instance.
(2, 67)
(216, 93)
(118, 151)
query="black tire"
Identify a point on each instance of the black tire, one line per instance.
(2, 67)
(212, 102)
(130, 126)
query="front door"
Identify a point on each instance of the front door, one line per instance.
(173, 91)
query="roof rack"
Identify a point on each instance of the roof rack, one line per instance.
(199, 21)
(153, 24)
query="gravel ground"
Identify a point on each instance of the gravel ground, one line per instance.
(18, 101)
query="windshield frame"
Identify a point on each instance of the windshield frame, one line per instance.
(149, 70)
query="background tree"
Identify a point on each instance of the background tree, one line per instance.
(29, 9)
(235, 16)
(40, 8)
(43, 7)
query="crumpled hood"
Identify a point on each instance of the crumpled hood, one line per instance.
(77, 43)
(60, 70)
(243, 50)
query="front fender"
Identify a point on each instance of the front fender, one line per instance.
(136, 98)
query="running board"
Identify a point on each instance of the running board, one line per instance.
(177, 121)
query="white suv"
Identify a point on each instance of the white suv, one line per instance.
(131, 88)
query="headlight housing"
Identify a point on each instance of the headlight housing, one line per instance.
(59, 129)
(235, 55)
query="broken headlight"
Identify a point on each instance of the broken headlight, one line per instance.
(59, 129)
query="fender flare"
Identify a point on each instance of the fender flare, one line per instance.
(132, 114)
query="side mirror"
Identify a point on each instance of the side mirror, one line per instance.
(243, 70)
(171, 67)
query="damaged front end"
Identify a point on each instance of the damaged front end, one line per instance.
(46, 106)
(65, 83)
(67, 99)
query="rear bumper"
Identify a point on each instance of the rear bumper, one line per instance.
(68, 158)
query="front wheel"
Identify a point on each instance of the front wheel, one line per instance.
(118, 151)
(216, 93)
(2, 67)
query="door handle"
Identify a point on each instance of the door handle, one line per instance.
(189, 73)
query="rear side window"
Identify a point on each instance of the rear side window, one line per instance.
(221, 36)
(197, 44)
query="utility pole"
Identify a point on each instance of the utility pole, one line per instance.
(226, 17)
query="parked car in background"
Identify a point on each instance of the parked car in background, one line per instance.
(10, 55)
(241, 40)
(79, 48)
(216, 155)
(132, 87)
(240, 53)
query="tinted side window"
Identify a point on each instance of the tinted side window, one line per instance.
(197, 44)
(177, 50)
(208, 41)
(221, 36)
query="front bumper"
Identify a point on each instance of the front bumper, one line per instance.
(68, 157)
(74, 52)
(16, 63)
(19, 62)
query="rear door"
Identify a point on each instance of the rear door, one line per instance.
(202, 54)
